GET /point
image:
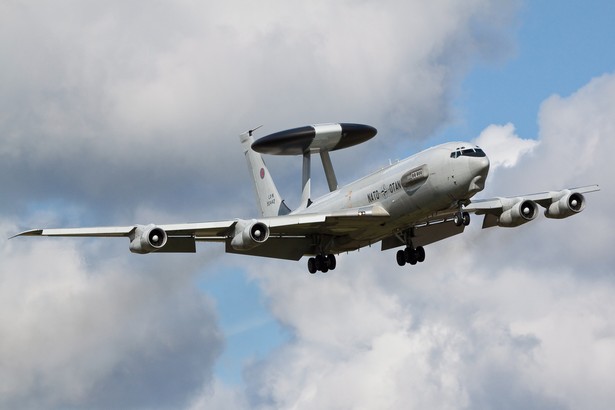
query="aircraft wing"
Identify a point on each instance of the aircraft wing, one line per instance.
(207, 229)
(501, 211)
(514, 211)
(145, 238)
(284, 236)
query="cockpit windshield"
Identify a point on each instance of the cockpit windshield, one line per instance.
(468, 152)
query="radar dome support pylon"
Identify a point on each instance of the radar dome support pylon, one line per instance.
(311, 139)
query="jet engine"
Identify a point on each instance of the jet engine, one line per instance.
(249, 234)
(146, 239)
(565, 204)
(520, 212)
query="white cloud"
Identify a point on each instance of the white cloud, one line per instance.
(503, 146)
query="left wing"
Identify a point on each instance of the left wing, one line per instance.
(505, 212)
(515, 211)
(285, 237)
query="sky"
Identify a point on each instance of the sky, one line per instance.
(128, 112)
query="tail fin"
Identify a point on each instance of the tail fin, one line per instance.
(267, 195)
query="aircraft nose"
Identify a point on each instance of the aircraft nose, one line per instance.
(479, 168)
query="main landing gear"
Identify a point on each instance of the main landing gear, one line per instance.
(410, 255)
(322, 263)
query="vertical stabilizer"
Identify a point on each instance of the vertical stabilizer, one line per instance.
(267, 196)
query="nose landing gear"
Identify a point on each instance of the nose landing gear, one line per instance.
(461, 218)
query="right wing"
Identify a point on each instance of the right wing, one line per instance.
(286, 237)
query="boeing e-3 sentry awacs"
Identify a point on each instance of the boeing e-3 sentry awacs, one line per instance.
(409, 204)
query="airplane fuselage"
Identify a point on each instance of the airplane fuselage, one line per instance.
(432, 181)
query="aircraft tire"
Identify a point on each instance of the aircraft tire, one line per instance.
(320, 262)
(420, 254)
(401, 257)
(458, 219)
(331, 262)
(312, 265)
(465, 217)
(411, 256)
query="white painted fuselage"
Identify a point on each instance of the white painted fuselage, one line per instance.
(430, 182)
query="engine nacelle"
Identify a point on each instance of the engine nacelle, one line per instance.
(565, 204)
(249, 234)
(519, 213)
(146, 239)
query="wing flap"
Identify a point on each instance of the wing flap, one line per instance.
(213, 230)
(179, 244)
(335, 223)
(484, 206)
(279, 248)
(424, 235)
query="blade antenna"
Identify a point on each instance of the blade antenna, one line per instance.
(253, 129)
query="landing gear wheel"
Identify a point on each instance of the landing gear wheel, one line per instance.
(458, 219)
(401, 257)
(420, 254)
(312, 265)
(461, 218)
(320, 262)
(411, 256)
(465, 217)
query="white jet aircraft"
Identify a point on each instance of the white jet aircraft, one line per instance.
(412, 203)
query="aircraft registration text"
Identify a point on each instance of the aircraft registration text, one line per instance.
(384, 192)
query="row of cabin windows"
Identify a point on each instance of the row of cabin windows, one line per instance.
(468, 152)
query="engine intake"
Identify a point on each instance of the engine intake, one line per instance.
(249, 234)
(519, 213)
(146, 239)
(565, 204)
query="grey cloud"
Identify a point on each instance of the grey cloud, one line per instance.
(102, 334)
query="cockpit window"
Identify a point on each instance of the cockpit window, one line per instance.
(468, 152)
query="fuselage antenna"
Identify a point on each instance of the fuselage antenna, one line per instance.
(253, 129)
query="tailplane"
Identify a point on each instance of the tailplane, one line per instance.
(267, 196)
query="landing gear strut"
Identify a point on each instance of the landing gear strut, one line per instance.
(410, 255)
(322, 263)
